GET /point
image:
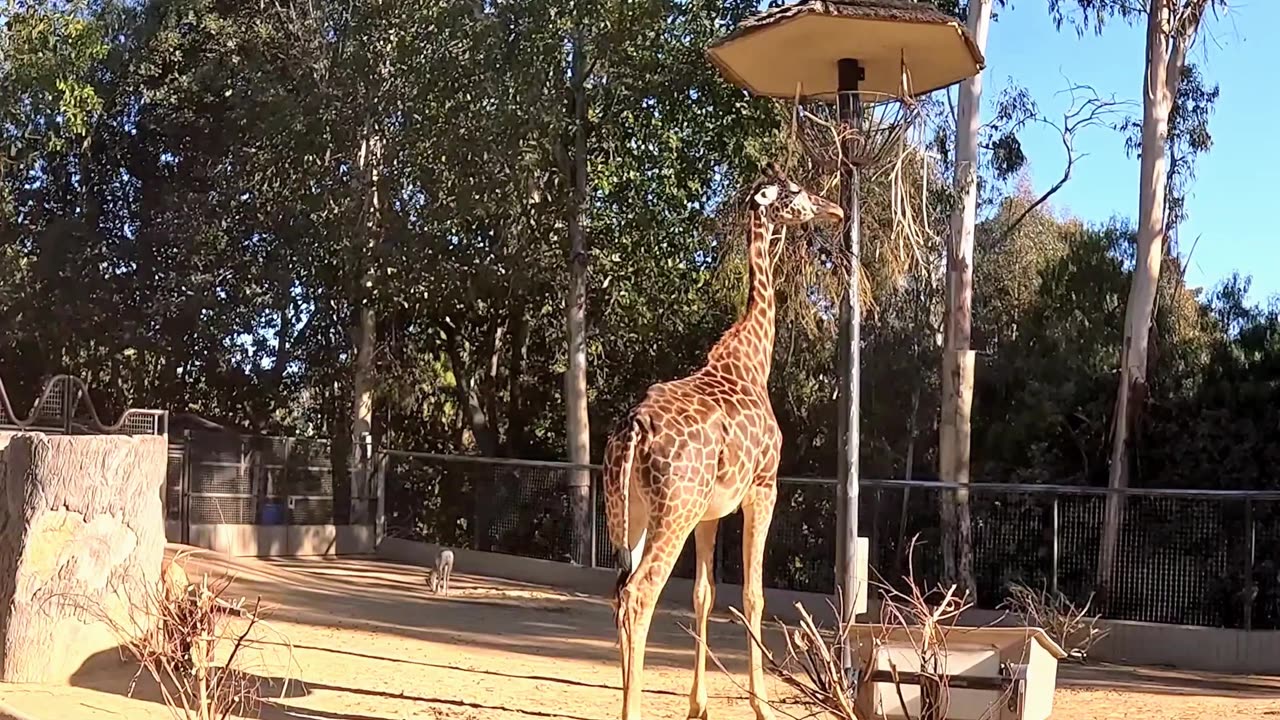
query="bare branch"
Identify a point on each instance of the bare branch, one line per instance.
(1088, 109)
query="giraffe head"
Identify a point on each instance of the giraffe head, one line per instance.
(780, 201)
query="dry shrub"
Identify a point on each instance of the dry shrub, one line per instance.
(1074, 629)
(927, 624)
(813, 666)
(195, 644)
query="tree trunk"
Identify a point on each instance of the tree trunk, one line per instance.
(481, 424)
(364, 329)
(1165, 56)
(958, 355)
(518, 332)
(577, 431)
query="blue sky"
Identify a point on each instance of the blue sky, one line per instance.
(1234, 183)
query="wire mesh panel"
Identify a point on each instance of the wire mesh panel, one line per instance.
(1172, 561)
(235, 479)
(1012, 543)
(1079, 536)
(309, 469)
(526, 512)
(64, 405)
(51, 406)
(432, 500)
(221, 510)
(310, 510)
(906, 515)
(174, 482)
(1262, 597)
(211, 476)
(1181, 558)
(219, 482)
(801, 543)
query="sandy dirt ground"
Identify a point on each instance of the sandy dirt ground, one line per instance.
(369, 643)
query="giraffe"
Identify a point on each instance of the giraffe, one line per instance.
(698, 448)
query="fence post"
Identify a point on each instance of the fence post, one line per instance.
(593, 514)
(69, 404)
(380, 501)
(873, 542)
(184, 489)
(285, 487)
(1250, 590)
(1056, 556)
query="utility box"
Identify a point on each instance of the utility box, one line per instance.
(993, 673)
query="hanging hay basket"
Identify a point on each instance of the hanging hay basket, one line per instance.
(878, 139)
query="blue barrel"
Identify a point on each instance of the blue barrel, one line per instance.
(272, 514)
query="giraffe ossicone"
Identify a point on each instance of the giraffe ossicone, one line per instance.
(696, 449)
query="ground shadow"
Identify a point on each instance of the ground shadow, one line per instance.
(304, 712)
(1167, 681)
(495, 673)
(544, 622)
(112, 673)
(500, 615)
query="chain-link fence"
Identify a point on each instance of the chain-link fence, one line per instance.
(1184, 557)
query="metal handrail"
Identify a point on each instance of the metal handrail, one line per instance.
(980, 487)
(67, 416)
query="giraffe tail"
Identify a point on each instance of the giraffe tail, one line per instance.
(620, 483)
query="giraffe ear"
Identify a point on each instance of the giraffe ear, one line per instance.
(767, 195)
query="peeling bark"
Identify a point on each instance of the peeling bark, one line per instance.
(1170, 31)
(957, 356)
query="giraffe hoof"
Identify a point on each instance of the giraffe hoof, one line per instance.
(696, 715)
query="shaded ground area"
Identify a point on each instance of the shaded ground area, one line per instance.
(369, 643)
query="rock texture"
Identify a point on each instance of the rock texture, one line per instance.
(81, 531)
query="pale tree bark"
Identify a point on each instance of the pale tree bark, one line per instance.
(958, 355)
(364, 329)
(577, 430)
(1171, 28)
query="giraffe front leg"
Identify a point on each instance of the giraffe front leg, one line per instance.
(636, 604)
(757, 514)
(703, 600)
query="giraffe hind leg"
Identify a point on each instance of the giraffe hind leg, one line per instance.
(628, 561)
(637, 601)
(757, 515)
(703, 599)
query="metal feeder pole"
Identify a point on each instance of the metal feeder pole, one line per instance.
(848, 359)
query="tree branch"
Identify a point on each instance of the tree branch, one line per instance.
(1092, 111)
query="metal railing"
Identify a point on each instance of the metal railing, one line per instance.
(64, 405)
(1196, 557)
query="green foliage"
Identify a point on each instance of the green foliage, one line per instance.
(187, 224)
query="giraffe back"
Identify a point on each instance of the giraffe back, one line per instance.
(706, 438)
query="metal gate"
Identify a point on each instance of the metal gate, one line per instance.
(228, 479)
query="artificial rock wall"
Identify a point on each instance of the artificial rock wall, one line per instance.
(81, 530)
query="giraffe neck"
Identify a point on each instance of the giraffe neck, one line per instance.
(745, 351)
